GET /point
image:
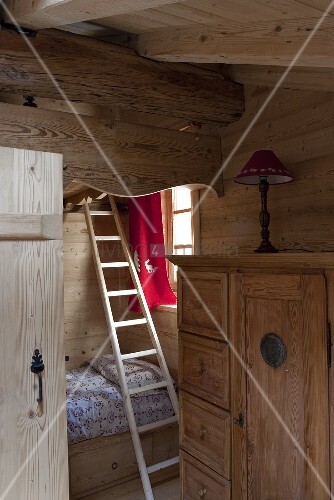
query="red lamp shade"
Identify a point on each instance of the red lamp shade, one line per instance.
(265, 164)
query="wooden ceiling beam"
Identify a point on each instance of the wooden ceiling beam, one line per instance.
(318, 79)
(39, 14)
(262, 43)
(107, 113)
(95, 72)
(131, 160)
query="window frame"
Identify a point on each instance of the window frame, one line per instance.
(168, 223)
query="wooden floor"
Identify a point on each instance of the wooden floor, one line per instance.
(132, 490)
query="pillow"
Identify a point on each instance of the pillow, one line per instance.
(138, 373)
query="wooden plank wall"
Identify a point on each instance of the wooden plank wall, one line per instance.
(85, 325)
(298, 126)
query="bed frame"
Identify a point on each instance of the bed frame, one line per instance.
(100, 463)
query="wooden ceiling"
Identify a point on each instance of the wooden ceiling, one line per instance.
(140, 16)
(244, 41)
(218, 13)
(238, 32)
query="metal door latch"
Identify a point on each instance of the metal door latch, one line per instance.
(239, 421)
(37, 366)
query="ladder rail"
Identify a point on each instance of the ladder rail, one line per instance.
(119, 364)
(145, 309)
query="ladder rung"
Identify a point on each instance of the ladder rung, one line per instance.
(139, 354)
(130, 322)
(163, 465)
(108, 238)
(146, 388)
(101, 212)
(114, 264)
(157, 425)
(118, 293)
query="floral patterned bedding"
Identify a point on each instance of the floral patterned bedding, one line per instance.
(94, 402)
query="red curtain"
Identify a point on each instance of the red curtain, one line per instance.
(148, 251)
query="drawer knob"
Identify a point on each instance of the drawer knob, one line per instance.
(202, 492)
(202, 432)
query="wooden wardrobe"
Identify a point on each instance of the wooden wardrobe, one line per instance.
(255, 380)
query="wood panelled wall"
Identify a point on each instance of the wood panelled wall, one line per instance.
(299, 127)
(86, 331)
(85, 325)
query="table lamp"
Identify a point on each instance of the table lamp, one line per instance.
(264, 168)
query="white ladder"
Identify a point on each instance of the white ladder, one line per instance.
(119, 357)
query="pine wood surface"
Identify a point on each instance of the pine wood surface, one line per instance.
(297, 126)
(300, 78)
(85, 324)
(123, 79)
(31, 182)
(112, 156)
(153, 15)
(55, 13)
(31, 227)
(205, 433)
(304, 261)
(86, 331)
(198, 481)
(204, 368)
(105, 462)
(131, 490)
(271, 297)
(203, 303)
(32, 436)
(195, 13)
(238, 400)
(302, 397)
(32, 272)
(114, 113)
(274, 42)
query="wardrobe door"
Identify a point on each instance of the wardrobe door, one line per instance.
(33, 442)
(279, 387)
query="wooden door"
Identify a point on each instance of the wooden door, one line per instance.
(33, 441)
(281, 448)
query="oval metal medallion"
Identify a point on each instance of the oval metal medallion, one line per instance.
(273, 350)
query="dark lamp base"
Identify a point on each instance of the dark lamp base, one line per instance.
(267, 248)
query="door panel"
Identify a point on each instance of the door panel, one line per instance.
(286, 408)
(33, 441)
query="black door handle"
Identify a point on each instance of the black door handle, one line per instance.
(37, 366)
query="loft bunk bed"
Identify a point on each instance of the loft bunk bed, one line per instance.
(116, 393)
(100, 448)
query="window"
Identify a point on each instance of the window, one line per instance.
(181, 225)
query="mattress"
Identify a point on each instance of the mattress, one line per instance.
(95, 405)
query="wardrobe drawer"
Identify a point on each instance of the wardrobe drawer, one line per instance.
(205, 433)
(198, 482)
(204, 368)
(202, 299)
